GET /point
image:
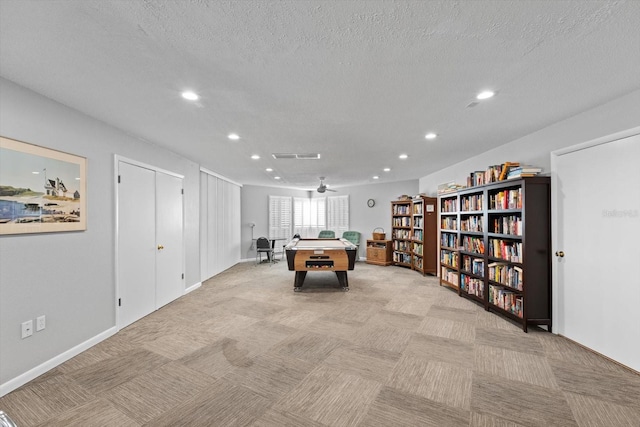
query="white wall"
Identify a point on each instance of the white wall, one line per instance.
(535, 149)
(69, 277)
(255, 201)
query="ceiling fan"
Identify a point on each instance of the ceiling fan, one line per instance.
(323, 187)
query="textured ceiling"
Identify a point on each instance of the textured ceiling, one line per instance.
(357, 81)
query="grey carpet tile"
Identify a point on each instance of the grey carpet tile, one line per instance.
(393, 407)
(114, 371)
(371, 364)
(591, 412)
(218, 359)
(385, 338)
(621, 388)
(514, 366)
(479, 419)
(437, 381)
(151, 394)
(441, 349)
(522, 403)
(464, 315)
(96, 413)
(221, 404)
(446, 328)
(396, 350)
(331, 397)
(270, 375)
(309, 346)
(514, 340)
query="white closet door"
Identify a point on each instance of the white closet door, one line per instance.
(136, 243)
(169, 244)
(597, 227)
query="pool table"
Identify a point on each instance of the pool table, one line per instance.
(338, 255)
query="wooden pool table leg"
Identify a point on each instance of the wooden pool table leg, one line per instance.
(297, 284)
(342, 278)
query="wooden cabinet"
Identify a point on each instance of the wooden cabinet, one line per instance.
(495, 244)
(414, 233)
(379, 252)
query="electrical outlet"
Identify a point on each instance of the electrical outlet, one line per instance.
(27, 328)
(41, 323)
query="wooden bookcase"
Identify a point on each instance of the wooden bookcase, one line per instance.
(495, 247)
(414, 225)
(379, 252)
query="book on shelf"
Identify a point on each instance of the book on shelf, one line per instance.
(506, 167)
(523, 171)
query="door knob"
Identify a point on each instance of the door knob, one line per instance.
(560, 254)
(160, 247)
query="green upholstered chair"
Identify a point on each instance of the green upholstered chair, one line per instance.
(327, 234)
(353, 237)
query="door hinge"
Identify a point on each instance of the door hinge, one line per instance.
(182, 191)
(119, 302)
(183, 275)
(118, 179)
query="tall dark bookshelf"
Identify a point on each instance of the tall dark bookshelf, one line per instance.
(495, 247)
(413, 231)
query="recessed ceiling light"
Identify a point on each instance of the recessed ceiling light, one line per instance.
(276, 177)
(269, 170)
(403, 156)
(255, 157)
(35, 173)
(233, 136)
(191, 96)
(376, 177)
(430, 135)
(386, 169)
(485, 94)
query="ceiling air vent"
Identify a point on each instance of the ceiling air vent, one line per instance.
(306, 156)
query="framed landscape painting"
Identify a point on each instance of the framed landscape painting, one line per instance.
(41, 190)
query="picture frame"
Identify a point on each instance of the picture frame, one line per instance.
(42, 190)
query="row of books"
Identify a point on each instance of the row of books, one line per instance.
(448, 223)
(449, 258)
(404, 221)
(471, 223)
(417, 248)
(448, 205)
(418, 221)
(507, 199)
(473, 265)
(506, 300)
(399, 245)
(417, 263)
(511, 224)
(448, 275)
(493, 173)
(509, 251)
(402, 234)
(418, 235)
(506, 275)
(471, 285)
(402, 257)
(417, 208)
(473, 244)
(523, 172)
(449, 240)
(471, 203)
(401, 210)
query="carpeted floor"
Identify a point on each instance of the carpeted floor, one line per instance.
(397, 350)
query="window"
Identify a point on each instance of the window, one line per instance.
(280, 217)
(338, 214)
(309, 216)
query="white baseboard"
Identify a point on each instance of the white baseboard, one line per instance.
(34, 373)
(192, 288)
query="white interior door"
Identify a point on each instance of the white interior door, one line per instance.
(136, 243)
(169, 239)
(597, 227)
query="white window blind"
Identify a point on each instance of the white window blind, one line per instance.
(338, 214)
(280, 217)
(309, 216)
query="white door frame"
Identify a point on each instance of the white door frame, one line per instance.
(116, 160)
(555, 216)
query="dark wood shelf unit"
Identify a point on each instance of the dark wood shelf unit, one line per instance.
(522, 254)
(414, 230)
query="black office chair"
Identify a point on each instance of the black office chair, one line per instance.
(263, 246)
